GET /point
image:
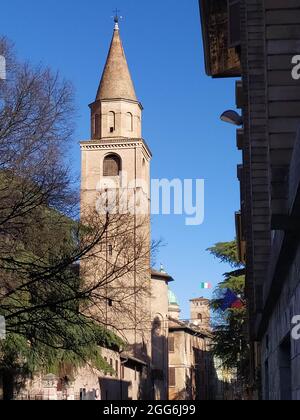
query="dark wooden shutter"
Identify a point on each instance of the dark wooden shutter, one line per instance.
(117, 368)
(171, 344)
(111, 365)
(234, 23)
(172, 377)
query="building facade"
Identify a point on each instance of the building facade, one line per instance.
(258, 41)
(191, 370)
(160, 334)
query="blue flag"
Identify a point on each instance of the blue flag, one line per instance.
(229, 300)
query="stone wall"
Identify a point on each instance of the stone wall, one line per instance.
(279, 330)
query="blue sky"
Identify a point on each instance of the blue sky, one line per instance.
(163, 44)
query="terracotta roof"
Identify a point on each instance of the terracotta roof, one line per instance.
(175, 325)
(201, 299)
(126, 357)
(161, 275)
(116, 82)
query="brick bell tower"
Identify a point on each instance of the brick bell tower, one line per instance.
(116, 144)
(117, 151)
(200, 313)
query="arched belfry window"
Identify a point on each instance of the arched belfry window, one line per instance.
(111, 121)
(129, 117)
(112, 165)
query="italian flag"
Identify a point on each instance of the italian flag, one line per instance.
(206, 286)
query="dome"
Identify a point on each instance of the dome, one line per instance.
(172, 298)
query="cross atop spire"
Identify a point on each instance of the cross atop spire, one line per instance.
(117, 18)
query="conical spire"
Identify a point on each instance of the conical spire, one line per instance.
(116, 82)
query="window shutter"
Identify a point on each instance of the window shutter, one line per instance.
(234, 23)
(172, 377)
(117, 368)
(111, 365)
(171, 344)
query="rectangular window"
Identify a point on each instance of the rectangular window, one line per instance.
(117, 368)
(267, 382)
(105, 359)
(97, 126)
(171, 344)
(82, 394)
(285, 369)
(122, 372)
(112, 121)
(111, 365)
(172, 377)
(234, 23)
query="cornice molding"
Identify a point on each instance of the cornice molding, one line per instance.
(119, 143)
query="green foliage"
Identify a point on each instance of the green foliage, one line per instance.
(226, 252)
(230, 331)
(43, 307)
(72, 346)
(230, 344)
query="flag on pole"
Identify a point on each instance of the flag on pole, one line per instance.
(206, 286)
(231, 301)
